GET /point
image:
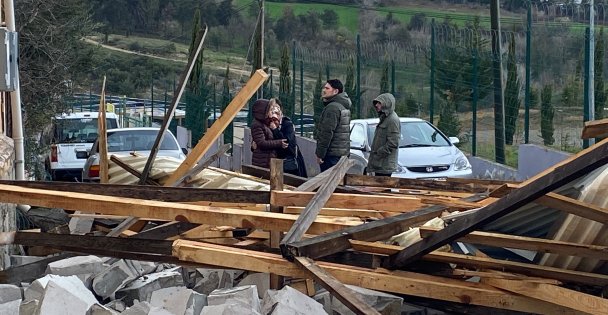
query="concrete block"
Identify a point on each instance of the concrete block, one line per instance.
(212, 279)
(291, 301)
(118, 275)
(386, 304)
(139, 308)
(80, 225)
(160, 311)
(141, 289)
(18, 260)
(28, 307)
(36, 289)
(229, 309)
(196, 303)
(82, 266)
(9, 292)
(10, 307)
(97, 309)
(260, 280)
(324, 298)
(117, 305)
(247, 295)
(66, 296)
(173, 299)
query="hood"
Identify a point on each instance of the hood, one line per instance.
(428, 156)
(259, 109)
(388, 103)
(341, 98)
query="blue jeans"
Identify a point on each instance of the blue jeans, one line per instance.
(329, 161)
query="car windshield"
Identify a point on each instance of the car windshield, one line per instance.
(138, 140)
(416, 134)
(78, 130)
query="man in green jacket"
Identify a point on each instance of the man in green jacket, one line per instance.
(333, 129)
(385, 147)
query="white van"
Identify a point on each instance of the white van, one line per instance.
(71, 138)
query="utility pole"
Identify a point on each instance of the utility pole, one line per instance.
(499, 108)
(261, 90)
(590, 112)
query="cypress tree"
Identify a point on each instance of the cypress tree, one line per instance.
(285, 82)
(546, 114)
(384, 79)
(512, 101)
(226, 98)
(351, 89)
(317, 102)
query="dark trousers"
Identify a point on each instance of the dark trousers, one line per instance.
(329, 161)
(382, 174)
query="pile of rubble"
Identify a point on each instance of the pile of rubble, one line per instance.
(106, 286)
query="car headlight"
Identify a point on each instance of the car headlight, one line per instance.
(400, 169)
(461, 163)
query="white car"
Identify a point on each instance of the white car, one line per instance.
(123, 141)
(424, 151)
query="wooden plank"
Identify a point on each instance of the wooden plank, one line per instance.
(595, 129)
(529, 243)
(162, 210)
(165, 231)
(348, 201)
(535, 187)
(483, 262)
(201, 165)
(474, 186)
(348, 297)
(315, 182)
(573, 206)
(331, 243)
(337, 212)
(200, 39)
(102, 136)
(261, 172)
(312, 209)
(216, 129)
(400, 282)
(493, 274)
(276, 184)
(168, 194)
(553, 294)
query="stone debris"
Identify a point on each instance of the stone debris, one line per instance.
(118, 275)
(386, 304)
(84, 267)
(290, 301)
(246, 295)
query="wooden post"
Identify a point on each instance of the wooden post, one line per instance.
(103, 136)
(276, 183)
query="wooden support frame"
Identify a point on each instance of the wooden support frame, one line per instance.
(331, 243)
(450, 184)
(595, 129)
(535, 187)
(237, 103)
(311, 211)
(202, 165)
(347, 296)
(573, 206)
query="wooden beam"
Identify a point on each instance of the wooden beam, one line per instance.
(219, 125)
(493, 274)
(483, 262)
(573, 206)
(535, 187)
(473, 186)
(331, 243)
(162, 210)
(165, 231)
(348, 297)
(30, 272)
(312, 209)
(200, 39)
(315, 182)
(276, 184)
(102, 136)
(201, 165)
(338, 212)
(400, 282)
(168, 194)
(261, 172)
(595, 129)
(529, 243)
(553, 294)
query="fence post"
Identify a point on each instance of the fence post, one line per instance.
(301, 98)
(393, 77)
(358, 88)
(293, 86)
(432, 98)
(528, 66)
(151, 104)
(474, 102)
(271, 85)
(586, 99)
(327, 71)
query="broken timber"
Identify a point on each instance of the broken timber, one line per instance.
(535, 187)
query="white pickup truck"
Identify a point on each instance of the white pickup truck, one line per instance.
(71, 138)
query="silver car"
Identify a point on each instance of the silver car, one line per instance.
(123, 141)
(424, 151)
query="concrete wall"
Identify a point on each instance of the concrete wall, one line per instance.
(8, 218)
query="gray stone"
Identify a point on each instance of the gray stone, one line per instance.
(260, 280)
(118, 275)
(82, 266)
(9, 292)
(160, 311)
(36, 289)
(139, 308)
(232, 308)
(142, 288)
(97, 309)
(196, 303)
(28, 307)
(11, 307)
(291, 301)
(173, 299)
(18, 260)
(324, 298)
(80, 225)
(65, 296)
(117, 305)
(386, 304)
(247, 295)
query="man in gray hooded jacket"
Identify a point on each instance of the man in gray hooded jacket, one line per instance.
(385, 147)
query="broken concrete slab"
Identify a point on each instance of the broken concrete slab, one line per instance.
(209, 280)
(28, 307)
(18, 260)
(141, 288)
(9, 292)
(386, 304)
(80, 225)
(229, 309)
(324, 298)
(65, 296)
(176, 300)
(36, 289)
(81, 266)
(138, 308)
(118, 275)
(259, 279)
(10, 307)
(117, 305)
(292, 302)
(247, 295)
(97, 309)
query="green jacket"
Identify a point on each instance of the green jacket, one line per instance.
(385, 147)
(333, 128)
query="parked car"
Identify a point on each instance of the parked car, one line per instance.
(424, 151)
(123, 141)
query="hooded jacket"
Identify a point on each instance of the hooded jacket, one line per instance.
(333, 129)
(262, 135)
(385, 146)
